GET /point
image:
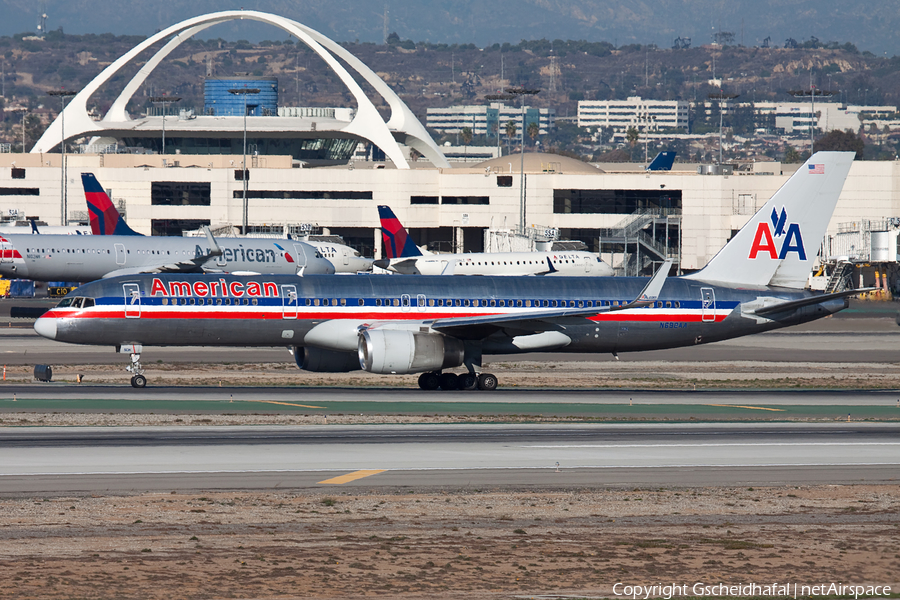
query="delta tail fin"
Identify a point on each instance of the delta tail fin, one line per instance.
(778, 245)
(397, 243)
(105, 219)
(663, 161)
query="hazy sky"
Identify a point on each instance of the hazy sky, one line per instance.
(870, 24)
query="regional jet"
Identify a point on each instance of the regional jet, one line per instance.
(125, 252)
(404, 257)
(430, 325)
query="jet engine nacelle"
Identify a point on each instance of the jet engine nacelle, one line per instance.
(318, 360)
(402, 352)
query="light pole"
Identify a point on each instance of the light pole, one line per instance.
(721, 97)
(24, 111)
(63, 94)
(164, 101)
(812, 93)
(243, 92)
(521, 93)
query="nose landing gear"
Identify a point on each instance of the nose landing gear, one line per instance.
(137, 380)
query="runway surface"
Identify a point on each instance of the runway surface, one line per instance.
(120, 459)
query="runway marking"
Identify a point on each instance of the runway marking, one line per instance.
(748, 444)
(353, 476)
(749, 407)
(285, 403)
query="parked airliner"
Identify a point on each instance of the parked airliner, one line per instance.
(429, 325)
(125, 252)
(403, 256)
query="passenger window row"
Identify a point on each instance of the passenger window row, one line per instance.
(210, 301)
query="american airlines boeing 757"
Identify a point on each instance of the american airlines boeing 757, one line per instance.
(429, 325)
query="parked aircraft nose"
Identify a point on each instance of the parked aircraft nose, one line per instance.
(382, 263)
(46, 327)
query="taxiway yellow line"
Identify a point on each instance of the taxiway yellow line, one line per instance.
(748, 407)
(286, 403)
(352, 476)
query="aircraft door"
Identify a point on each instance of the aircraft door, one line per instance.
(6, 251)
(300, 255)
(708, 304)
(404, 302)
(420, 302)
(588, 263)
(120, 254)
(132, 293)
(346, 254)
(289, 301)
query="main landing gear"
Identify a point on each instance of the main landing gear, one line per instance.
(434, 380)
(137, 380)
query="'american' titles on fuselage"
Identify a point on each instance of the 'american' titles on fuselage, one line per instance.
(86, 258)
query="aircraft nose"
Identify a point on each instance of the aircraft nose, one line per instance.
(46, 327)
(382, 263)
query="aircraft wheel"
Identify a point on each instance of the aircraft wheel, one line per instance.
(469, 381)
(429, 381)
(449, 381)
(138, 381)
(487, 382)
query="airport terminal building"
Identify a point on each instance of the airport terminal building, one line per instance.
(302, 172)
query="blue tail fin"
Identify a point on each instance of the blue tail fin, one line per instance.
(663, 161)
(105, 219)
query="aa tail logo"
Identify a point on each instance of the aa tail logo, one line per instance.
(764, 240)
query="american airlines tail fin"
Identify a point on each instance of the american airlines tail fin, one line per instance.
(663, 161)
(778, 244)
(105, 219)
(397, 243)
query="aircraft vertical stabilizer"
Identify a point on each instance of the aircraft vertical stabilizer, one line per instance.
(779, 243)
(397, 243)
(105, 219)
(663, 161)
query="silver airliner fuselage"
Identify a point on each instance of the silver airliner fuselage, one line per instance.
(91, 257)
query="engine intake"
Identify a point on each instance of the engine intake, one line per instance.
(400, 351)
(318, 360)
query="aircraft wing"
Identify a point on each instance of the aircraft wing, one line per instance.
(477, 327)
(792, 304)
(192, 265)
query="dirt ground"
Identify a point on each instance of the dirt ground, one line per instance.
(355, 543)
(680, 375)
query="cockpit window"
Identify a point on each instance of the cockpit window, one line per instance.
(76, 302)
(65, 302)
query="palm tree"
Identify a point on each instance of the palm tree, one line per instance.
(510, 133)
(632, 136)
(467, 139)
(533, 130)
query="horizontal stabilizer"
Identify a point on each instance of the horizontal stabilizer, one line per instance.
(812, 300)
